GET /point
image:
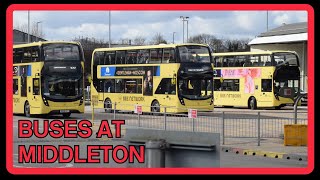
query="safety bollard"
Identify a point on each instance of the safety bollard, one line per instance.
(155, 153)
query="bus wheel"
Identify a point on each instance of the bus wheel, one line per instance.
(107, 106)
(252, 103)
(27, 109)
(155, 107)
(66, 115)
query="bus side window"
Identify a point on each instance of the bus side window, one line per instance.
(266, 85)
(156, 56)
(217, 85)
(35, 54)
(36, 86)
(168, 55)
(225, 62)
(119, 86)
(218, 61)
(120, 57)
(109, 86)
(267, 63)
(15, 86)
(131, 57)
(26, 55)
(166, 87)
(110, 58)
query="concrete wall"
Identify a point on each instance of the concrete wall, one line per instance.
(300, 48)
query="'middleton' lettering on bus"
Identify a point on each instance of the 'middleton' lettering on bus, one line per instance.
(132, 98)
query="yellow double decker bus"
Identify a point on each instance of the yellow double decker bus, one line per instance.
(171, 75)
(255, 79)
(48, 78)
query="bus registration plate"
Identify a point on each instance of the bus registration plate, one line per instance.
(64, 111)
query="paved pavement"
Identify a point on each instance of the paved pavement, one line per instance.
(269, 147)
(273, 148)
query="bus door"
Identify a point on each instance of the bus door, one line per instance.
(36, 89)
(266, 94)
(16, 94)
(101, 90)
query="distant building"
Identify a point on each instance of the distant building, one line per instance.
(290, 37)
(20, 37)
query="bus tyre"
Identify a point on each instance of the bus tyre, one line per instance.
(252, 103)
(66, 115)
(278, 107)
(155, 108)
(107, 106)
(27, 109)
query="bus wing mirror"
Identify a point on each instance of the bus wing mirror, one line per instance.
(173, 81)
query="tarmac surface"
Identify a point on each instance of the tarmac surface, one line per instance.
(268, 147)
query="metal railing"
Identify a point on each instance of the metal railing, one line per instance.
(230, 124)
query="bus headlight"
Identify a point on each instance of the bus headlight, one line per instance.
(81, 101)
(211, 102)
(181, 101)
(45, 101)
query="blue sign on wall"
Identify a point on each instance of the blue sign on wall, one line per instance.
(108, 71)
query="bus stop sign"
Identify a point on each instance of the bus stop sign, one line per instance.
(138, 109)
(192, 113)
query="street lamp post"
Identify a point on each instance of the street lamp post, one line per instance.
(183, 20)
(109, 29)
(267, 21)
(28, 26)
(187, 30)
(37, 35)
(173, 37)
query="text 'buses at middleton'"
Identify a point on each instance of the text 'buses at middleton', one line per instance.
(48, 78)
(255, 79)
(173, 75)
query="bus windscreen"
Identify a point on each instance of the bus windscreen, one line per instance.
(194, 54)
(61, 52)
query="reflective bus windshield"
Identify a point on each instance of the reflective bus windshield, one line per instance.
(59, 87)
(61, 52)
(199, 54)
(195, 89)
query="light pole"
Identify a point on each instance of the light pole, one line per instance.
(28, 26)
(109, 29)
(187, 29)
(173, 37)
(37, 35)
(267, 21)
(183, 20)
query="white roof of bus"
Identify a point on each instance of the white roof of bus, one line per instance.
(144, 47)
(39, 43)
(251, 53)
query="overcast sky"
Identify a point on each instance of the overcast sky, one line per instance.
(66, 25)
